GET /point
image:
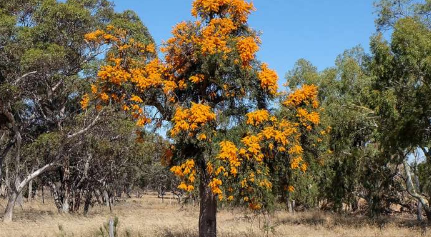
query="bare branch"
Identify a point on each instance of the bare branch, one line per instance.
(69, 136)
(34, 175)
(24, 76)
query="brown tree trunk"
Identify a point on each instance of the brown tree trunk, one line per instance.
(208, 211)
(428, 214)
(43, 193)
(87, 203)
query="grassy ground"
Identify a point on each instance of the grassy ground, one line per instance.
(148, 216)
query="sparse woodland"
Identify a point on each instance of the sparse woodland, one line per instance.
(95, 116)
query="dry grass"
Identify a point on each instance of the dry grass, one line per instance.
(148, 216)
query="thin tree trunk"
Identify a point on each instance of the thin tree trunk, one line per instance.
(55, 194)
(290, 205)
(19, 199)
(66, 185)
(3, 155)
(87, 202)
(412, 191)
(207, 212)
(43, 193)
(419, 204)
(8, 215)
(106, 197)
(428, 214)
(30, 191)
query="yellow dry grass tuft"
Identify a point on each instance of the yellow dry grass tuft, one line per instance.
(148, 216)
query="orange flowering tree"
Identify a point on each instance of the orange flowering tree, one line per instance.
(214, 94)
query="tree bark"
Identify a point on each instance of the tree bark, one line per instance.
(3, 155)
(9, 208)
(87, 203)
(19, 198)
(428, 215)
(30, 191)
(290, 204)
(208, 211)
(106, 197)
(412, 191)
(66, 187)
(419, 204)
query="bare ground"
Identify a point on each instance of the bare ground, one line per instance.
(149, 216)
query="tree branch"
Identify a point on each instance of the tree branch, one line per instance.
(69, 136)
(24, 76)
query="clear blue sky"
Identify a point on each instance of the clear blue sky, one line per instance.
(317, 30)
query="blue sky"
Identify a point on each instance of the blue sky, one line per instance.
(317, 30)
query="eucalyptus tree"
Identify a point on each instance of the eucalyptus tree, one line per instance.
(402, 69)
(44, 59)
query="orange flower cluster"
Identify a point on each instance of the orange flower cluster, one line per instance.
(148, 76)
(306, 118)
(257, 117)
(266, 184)
(215, 35)
(290, 188)
(247, 48)
(268, 79)
(228, 151)
(94, 36)
(215, 187)
(115, 74)
(202, 137)
(307, 95)
(85, 101)
(253, 148)
(238, 10)
(141, 74)
(197, 78)
(187, 173)
(294, 164)
(296, 150)
(275, 137)
(191, 119)
(280, 133)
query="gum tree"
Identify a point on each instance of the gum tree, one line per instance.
(43, 61)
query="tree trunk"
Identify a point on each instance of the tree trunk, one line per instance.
(66, 187)
(290, 204)
(19, 198)
(106, 197)
(419, 204)
(30, 191)
(411, 189)
(9, 208)
(207, 212)
(428, 214)
(87, 202)
(55, 194)
(43, 193)
(3, 155)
